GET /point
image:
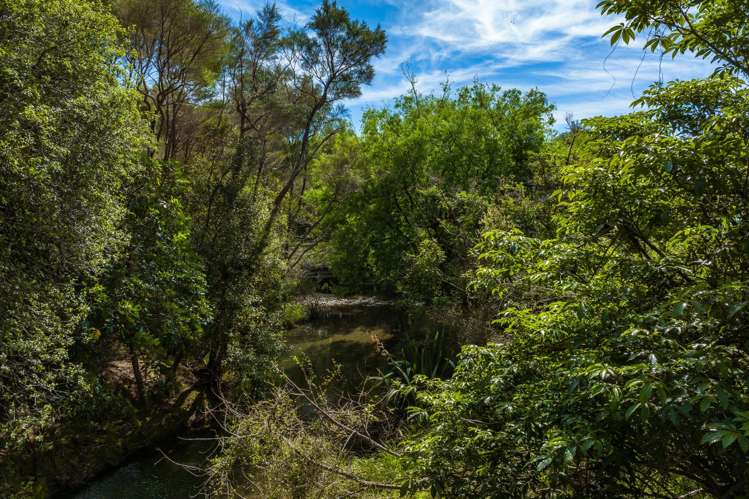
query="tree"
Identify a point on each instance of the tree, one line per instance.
(431, 169)
(708, 29)
(625, 364)
(177, 55)
(278, 111)
(153, 298)
(70, 137)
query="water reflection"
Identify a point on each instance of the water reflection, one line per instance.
(347, 336)
(352, 341)
(151, 476)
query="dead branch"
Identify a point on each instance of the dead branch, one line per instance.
(337, 423)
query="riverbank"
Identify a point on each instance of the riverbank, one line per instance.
(83, 450)
(176, 461)
(339, 331)
(357, 337)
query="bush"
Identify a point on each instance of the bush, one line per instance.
(273, 451)
(626, 371)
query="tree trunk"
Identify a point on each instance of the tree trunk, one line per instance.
(140, 385)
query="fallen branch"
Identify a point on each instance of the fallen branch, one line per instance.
(689, 494)
(333, 420)
(338, 471)
(193, 470)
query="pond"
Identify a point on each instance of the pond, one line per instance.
(350, 334)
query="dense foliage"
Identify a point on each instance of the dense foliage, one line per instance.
(168, 175)
(430, 169)
(625, 364)
(149, 152)
(70, 139)
(623, 370)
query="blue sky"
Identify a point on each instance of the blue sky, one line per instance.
(552, 45)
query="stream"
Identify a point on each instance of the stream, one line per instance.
(347, 333)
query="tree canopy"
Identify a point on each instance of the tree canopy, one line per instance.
(171, 178)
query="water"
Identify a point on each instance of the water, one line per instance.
(149, 475)
(347, 333)
(348, 338)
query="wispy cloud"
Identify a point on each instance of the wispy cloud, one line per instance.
(247, 8)
(553, 45)
(536, 27)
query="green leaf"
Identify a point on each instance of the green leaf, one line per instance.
(728, 439)
(735, 308)
(631, 410)
(615, 36)
(744, 444)
(612, 29)
(646, 391)
(705, 404)
(712, 437)
(587, 444)
(678, 309)
(542, 465)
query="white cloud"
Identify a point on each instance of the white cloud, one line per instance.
(247, 8)
(535, 26)
(595, 106)
(553, 45)
(431, 82)
(630, 74)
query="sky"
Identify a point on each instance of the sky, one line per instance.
(552, 45)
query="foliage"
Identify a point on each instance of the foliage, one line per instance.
(332, 177)
(625, 372)
(70, 137)
(273, 451)
(154, 199)
(430, 169)
(281, 114)
(153, 299)
(178, 50)
(166, 249)
(712, 30)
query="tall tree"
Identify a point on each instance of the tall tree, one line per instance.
(432, 168)
(152, 298)
(177, 54)
(279, 109)
(70, 136)
(625, 370)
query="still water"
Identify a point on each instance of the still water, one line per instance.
(149, 475)
(349, 334)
